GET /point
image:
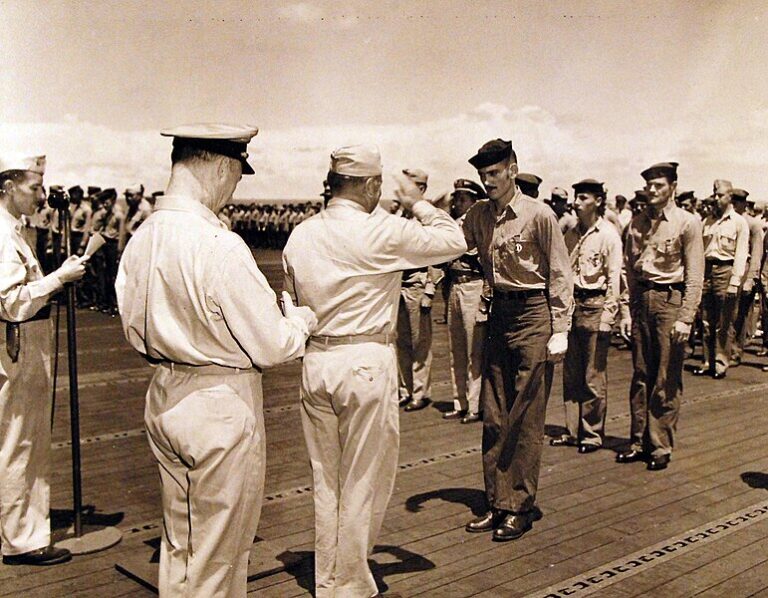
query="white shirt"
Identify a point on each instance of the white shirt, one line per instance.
(23, 289)
(189, 291)
(346, 264)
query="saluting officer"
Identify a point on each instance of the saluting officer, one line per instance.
(466, 323)
(596, 259)
(726, 248)
(664, 265)
(25, 371)
(194, 303)
(346, 263)
(751, 283)
(525, 263)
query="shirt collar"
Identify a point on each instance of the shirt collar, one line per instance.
(9, 220)
(177, 203)
(344, 202)
(512, 206)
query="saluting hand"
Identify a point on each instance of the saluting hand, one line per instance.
(72, 269)
(407, 192)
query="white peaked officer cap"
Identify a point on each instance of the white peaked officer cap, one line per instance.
(226, 140)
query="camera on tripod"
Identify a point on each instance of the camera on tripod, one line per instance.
(57, 198)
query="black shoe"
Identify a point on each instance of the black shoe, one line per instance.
(485, 523)
(42, 556)
(514, 526)
(588, 448)
(563, 440)
(658, 463)
(630, 456)
(762, 353)
(701, 371)
(719, 375)
(404, 401)
(455, 414)
(416, 404)
(471, 418)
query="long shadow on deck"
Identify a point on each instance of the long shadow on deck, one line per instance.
(301, 564)
(470, 497)
(755, 479)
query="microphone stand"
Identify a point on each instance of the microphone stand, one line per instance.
(102, 537)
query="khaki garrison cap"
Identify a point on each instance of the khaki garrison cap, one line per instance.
(34, 164)
(417, 175)
(356, 160)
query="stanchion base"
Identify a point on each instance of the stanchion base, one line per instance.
(94, 540)
(266, 558)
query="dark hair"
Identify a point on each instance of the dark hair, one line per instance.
(338, 183)
(11, 175)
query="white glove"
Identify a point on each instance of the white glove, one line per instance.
(72, 269)
(301, 312)
(557, 345)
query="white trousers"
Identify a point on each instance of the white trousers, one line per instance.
(351, 425)
(207, 434)
(25, 440)
(465, 341)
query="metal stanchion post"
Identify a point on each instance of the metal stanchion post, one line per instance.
(100, 537)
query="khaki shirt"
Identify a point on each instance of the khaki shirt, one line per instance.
(189, 291)
(23, 289)
(522, 248)
(596, 261)
(346, 264)
(727, 238)
(755, 258)
(467, 264)
(667, 249)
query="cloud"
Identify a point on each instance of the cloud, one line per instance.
(291, 163)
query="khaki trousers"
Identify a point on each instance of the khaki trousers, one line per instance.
(585, 373)
(207, 434)
(657, 379)
(516, 387)
(414, 344)
(25, 440)
(465, 341)
(351, 426)
(719, 312)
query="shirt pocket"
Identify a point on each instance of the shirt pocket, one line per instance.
(591, 265)
(668, 254)
(726, 242)
(520, 249)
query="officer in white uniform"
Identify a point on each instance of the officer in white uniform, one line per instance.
(25, 371)
(193, 302)
(345, 263)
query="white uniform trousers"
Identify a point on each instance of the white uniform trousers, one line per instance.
(351, 425)
(25, 440)
(465, 340)
(414, 345)
(207, 434)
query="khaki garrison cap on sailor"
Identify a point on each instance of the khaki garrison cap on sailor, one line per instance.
(356, 160)
(34, 164)
(417, 175)
(226, 140)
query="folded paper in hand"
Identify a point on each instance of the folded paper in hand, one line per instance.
(94, 244)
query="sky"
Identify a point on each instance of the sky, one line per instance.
(584, 89)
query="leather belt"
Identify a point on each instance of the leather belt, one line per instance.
(657, 286)
(718, 262)
(499, 294)
(461, 278)
(580, 293)
(43, 314)
(201, 370)
(383, 338)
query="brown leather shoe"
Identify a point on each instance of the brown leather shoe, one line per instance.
(485, 523)
(658, 463)
(514, 526)
(416, 404)
(454, 414)
(471, 418)
(631, 456)
(42, 556)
